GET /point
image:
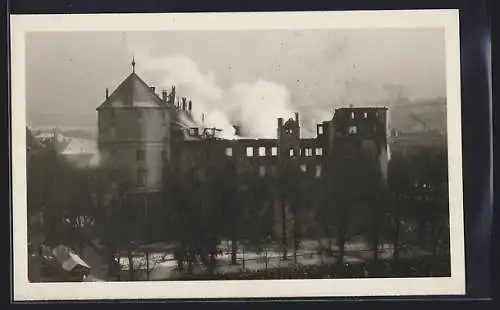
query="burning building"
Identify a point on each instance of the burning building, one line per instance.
(147, 138)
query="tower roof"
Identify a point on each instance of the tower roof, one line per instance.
(132, 92)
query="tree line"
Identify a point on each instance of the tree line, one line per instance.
(197, 212)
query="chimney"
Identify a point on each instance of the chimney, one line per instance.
(107, 93)
(184, 103)
(164, 96)
(280, 126)
(351, 105)
(190, 105)
(172, 95)
(297, 117)
(152, 89)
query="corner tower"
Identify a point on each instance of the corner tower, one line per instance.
(134, 134)
(360, 135)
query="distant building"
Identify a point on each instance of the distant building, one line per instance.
(80, 153)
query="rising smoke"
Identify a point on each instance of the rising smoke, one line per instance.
(254, 106)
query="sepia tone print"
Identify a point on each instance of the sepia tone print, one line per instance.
(276, 161)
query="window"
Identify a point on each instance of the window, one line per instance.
(352, 115)
(164, 118)
(193, 132)
(112, 132)
(249, 151)
(141, 177)
(291, 152)
(353, 130)
(274, 171)
(365, 115)
(200, 175)
(318, 171)
(262, 171)
(262, 151)
(229, 151)
(319, 151)
(303, 168)
(308, 152)
(274, 151)
(320, 130)
(140, 155)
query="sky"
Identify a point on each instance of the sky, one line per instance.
(235, 77)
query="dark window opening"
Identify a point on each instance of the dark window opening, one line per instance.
(141, 155)
(112, 132)
(262, 171)
(318, 171)
(193, 132)
(200, 175)
(141, 177)
(274, 170)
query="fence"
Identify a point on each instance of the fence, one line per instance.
(305, 263)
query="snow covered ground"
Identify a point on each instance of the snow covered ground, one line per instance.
(162, 265)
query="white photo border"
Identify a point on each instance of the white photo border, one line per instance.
(23, 290)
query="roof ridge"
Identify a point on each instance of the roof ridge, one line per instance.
(130, 79)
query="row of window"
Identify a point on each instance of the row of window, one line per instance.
(140, 155)
(263, 151)
(139, 115)
(263, 171)
(112, 130)
(304, 168)
(365, 115)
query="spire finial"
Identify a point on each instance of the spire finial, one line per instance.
(133, 64)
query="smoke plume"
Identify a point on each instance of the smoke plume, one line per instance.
(254, 106)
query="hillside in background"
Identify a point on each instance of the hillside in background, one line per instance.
(405, 116)
(411, 117)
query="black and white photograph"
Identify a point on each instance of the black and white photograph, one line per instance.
(187, 152)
